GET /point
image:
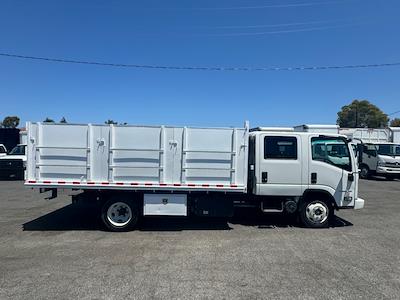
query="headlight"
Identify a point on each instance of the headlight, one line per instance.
(381, 163)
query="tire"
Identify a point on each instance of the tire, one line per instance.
(364, 172)
(315, 213)
(120, 214)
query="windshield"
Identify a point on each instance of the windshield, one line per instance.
(333, 151)
(388, 149)
(18, 150)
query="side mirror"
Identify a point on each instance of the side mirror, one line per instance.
(350, 177)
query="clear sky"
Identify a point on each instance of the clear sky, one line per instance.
(239, 33)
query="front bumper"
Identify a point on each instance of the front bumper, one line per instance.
(359, 203)
(388, 170)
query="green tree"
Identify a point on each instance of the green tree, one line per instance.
(48, 120)
(362, 114)
(63, 120)
(111, 122)
(395, 122)
(10, 122)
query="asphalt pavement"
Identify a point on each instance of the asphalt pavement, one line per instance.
(52, 249)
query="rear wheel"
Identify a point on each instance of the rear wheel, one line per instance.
(364, 172)
(315, 213)
(120, 214)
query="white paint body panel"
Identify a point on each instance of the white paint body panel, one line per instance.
(137, 157)
(367, 135)
(165, 205)
(333, 129)
(284, 176)
(395, 134)
(292, 177)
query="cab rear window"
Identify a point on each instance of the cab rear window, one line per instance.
(280, 147)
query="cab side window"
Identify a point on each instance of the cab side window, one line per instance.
(280, 147)
(369, 150)
(333, 151)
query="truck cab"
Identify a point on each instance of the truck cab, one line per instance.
(313, 172)
(382, 159)
(18, 152)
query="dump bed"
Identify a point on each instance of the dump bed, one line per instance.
(136, 157)
(367, 135)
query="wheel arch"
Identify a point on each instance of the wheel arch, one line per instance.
(319, 193)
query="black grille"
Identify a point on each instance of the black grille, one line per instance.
(392, 165)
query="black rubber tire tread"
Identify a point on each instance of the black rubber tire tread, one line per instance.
(368, 173)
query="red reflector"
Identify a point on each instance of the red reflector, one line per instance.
(134, 183)
(105, 183)
(233, 185)
(119, 183)
(163, 184)
(191, 184)
(61, 182)
(46, 181)
(177, 184)
(219, 185)
(76, 182)
(31, 181)
(148, 184)
(205, 185)
(90, 183)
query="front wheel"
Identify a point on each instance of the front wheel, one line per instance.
(119, 214)
(364, 172)
(315, 213)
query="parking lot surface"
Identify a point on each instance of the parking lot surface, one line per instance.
(55, 249)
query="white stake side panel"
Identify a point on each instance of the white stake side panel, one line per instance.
(367, 135)
(137, 157)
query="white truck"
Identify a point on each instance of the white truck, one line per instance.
(380, 150)
(18, 152)
(139, 171)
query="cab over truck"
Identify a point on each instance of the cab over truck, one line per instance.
(139, 171)
(379, 150)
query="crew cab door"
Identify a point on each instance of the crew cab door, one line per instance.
(332, 168)
(370, 156)
(279, 171)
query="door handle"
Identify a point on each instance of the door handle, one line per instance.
(313, 177)
(264, 177)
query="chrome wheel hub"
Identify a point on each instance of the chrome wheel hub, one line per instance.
(119, 214)
(317, 212)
